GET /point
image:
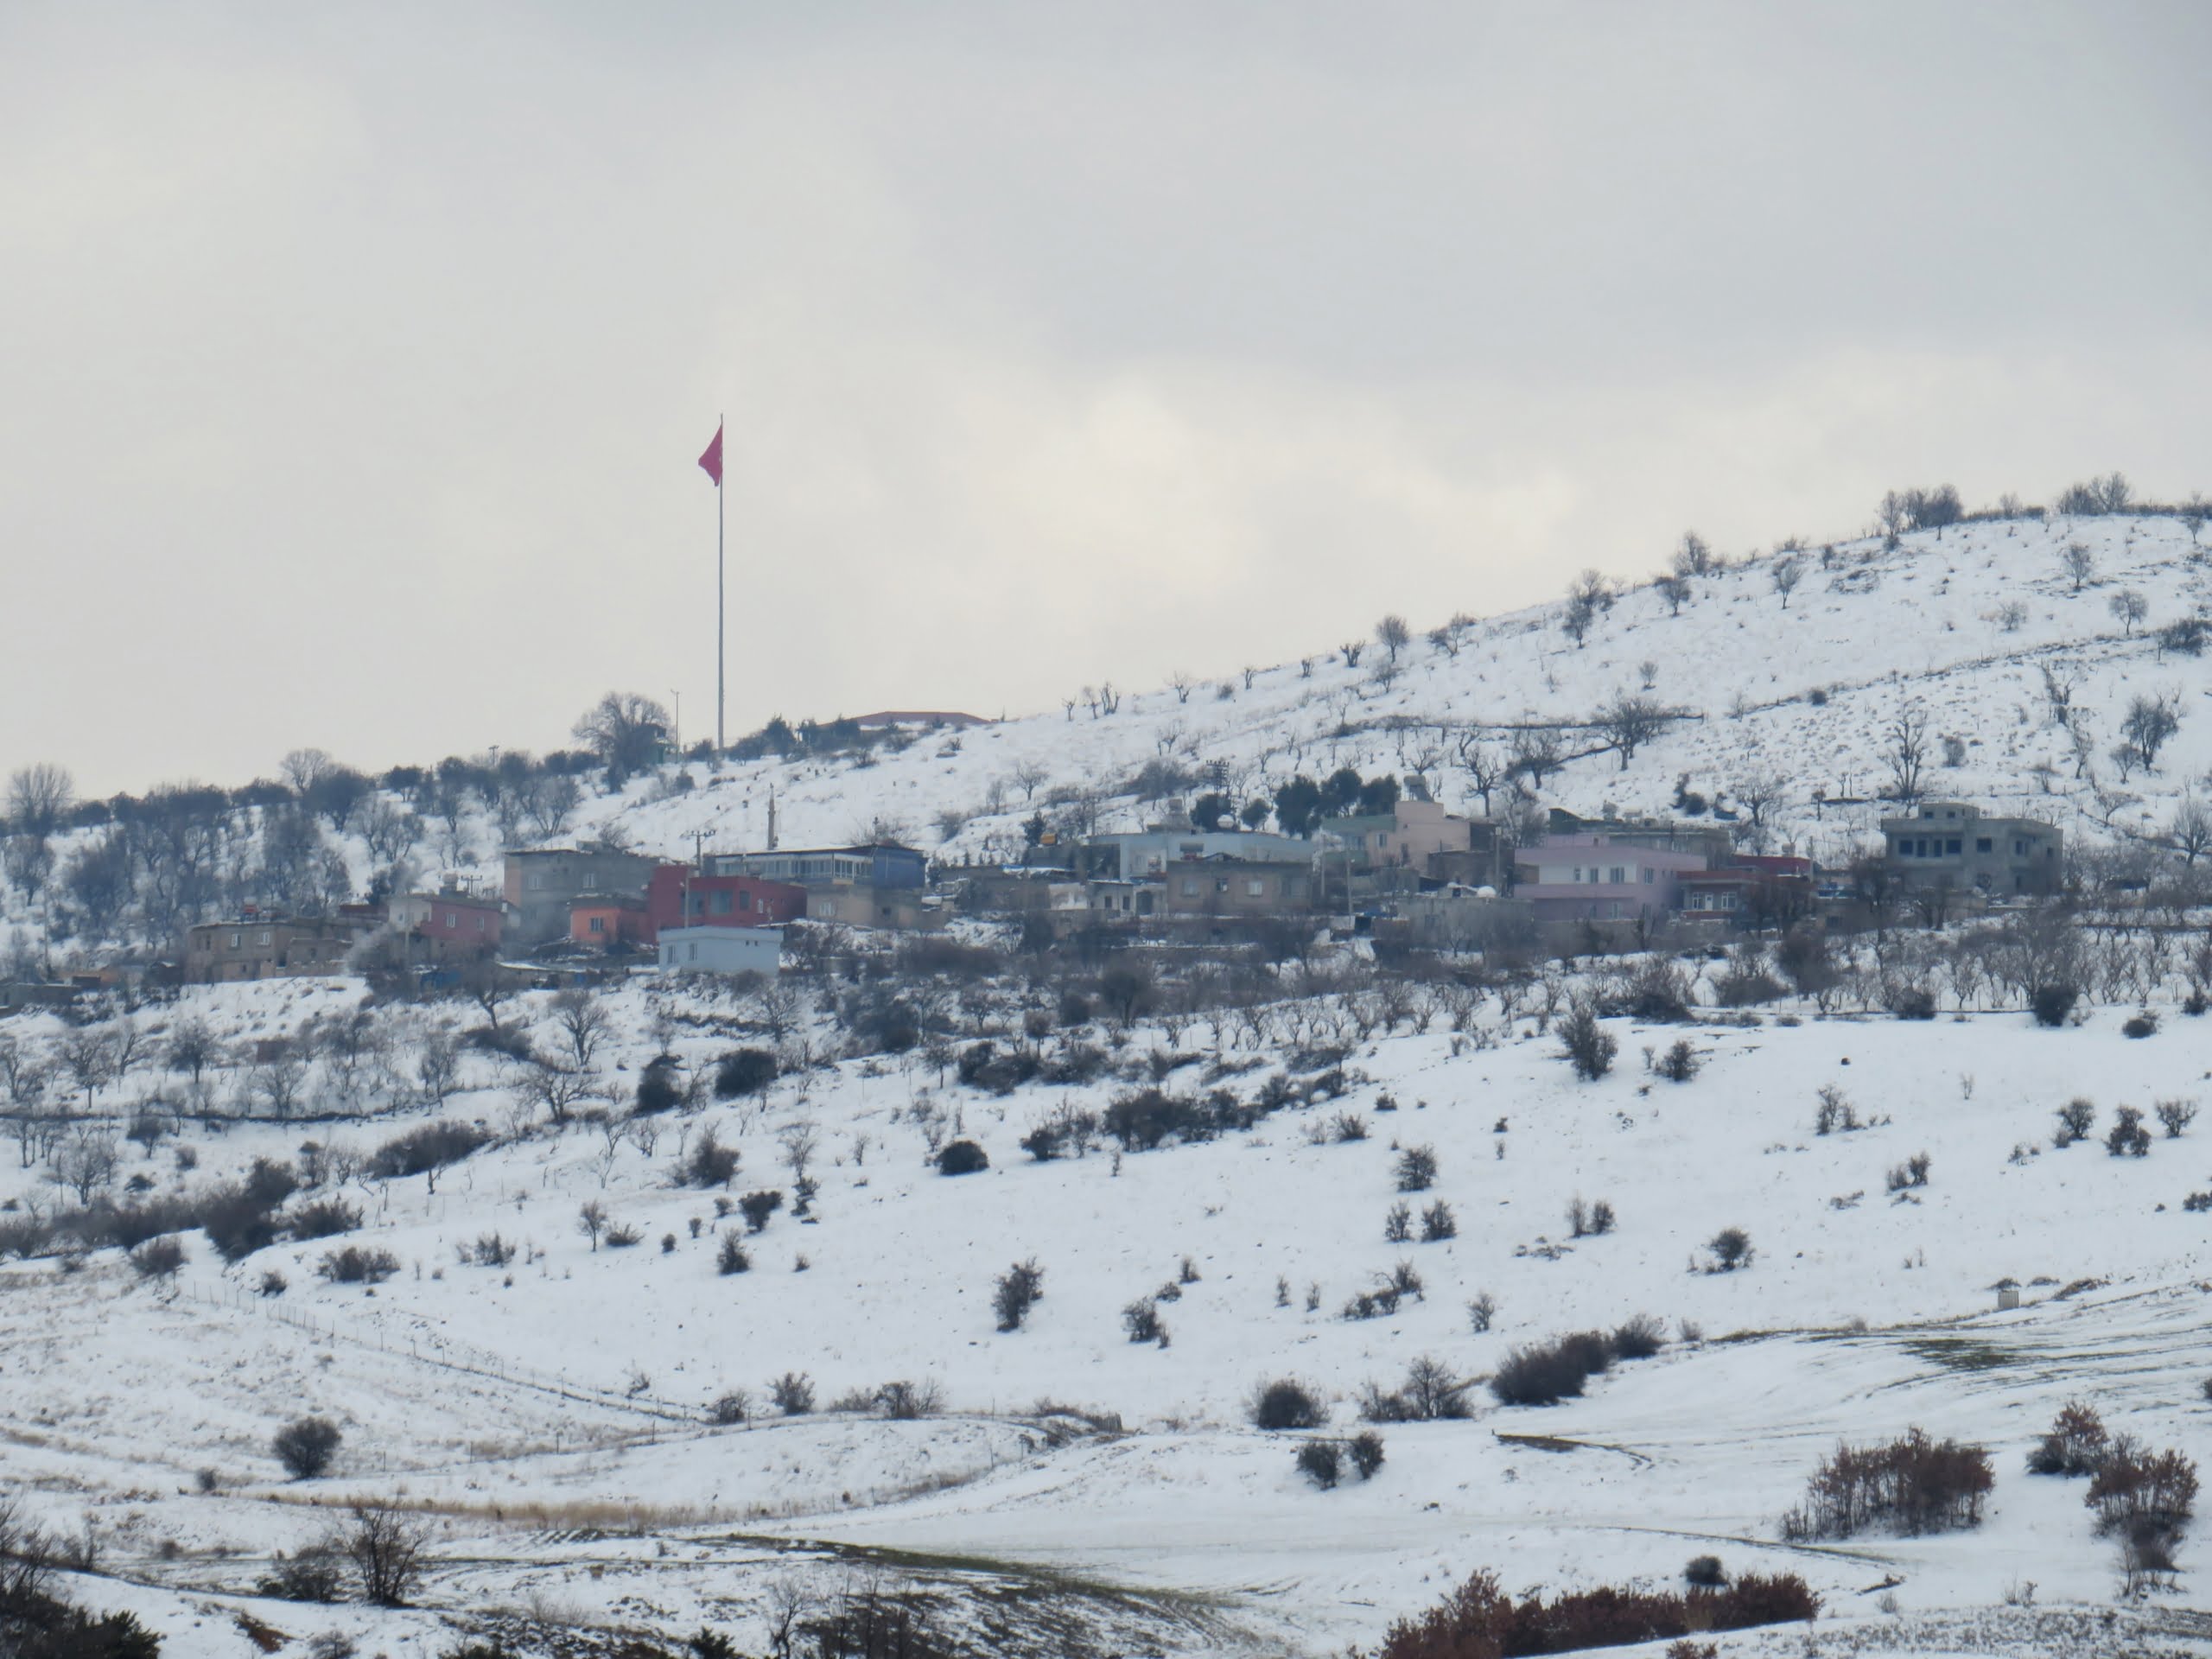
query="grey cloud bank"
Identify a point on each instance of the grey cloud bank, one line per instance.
(357, 360)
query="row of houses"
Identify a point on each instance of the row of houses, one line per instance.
(1443, 876)
(716, 912)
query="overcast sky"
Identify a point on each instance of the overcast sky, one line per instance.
(356, 357)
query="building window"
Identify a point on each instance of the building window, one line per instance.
(719, 903)
(598, 924)
(1952, 846)
(1982, 844)
(745, 901)
(262, 938)
(1190, 886)
(1648, 873)
(2019, 848)
(1619, 876)
(1254, 887)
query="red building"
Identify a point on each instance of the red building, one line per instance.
(609, 922)
(451, 920)
(679, 894)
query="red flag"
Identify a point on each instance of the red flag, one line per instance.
(712, 461)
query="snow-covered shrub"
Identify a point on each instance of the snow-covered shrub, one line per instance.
(2136, 1491)
(1321, 1462)
(2052, 1001)
(1706, 1571)
(1912, 1485)
(1015, 1292)
(793, 1394)
(421, 1150)
(325, 1218)
(744, 1071)
(1731, 1249)
(2127, 1138)
(2075, 1119)
(1365, 1450)
(1141, 1319)
(354, 1265)
(1680, 1063)
(305, 1446)
(1284, 1403)
(961, 1158)
(1438, 1223)
(314, 1574)
(757, 1207)
(1585, 1044)
(2144, 1023)
(2075, 1445)
(1398, 1223)
(1482, 1312)
(732, 1407)
(708, 1163)
(905, 1401)
(1639, 1337)
(1543, 1373)
(730, 1256)
(2175, 1115)
(1415, 1170)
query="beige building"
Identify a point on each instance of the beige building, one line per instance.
(268, 947)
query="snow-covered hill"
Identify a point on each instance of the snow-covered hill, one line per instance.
(543, 1399)
(1796, 700)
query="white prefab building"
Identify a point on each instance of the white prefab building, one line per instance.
(720, 949)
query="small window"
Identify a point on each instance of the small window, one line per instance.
(719, 903)
(262, 938)
(1254, 887)
(1951, 847)
(745, 901)
(1221, 884)
(598, 925)
(1619, 876)
(1649, 874)
(1190, 886)
(1983, 844)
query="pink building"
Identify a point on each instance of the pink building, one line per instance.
(1593, 878)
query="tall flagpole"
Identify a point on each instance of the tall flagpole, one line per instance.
(721, 514)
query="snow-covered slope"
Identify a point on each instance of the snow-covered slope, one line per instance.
(548, 1415)
(1803, 695)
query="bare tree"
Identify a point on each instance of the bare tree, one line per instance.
(625, 730)
(2151, 720)
(1675, 589)
(1786, 574)
(303, 768)
(1180, 682)
(559, 1089)
(1694, 557)
(799, 1141)
(2079, 565)
(1759, 793)
(1630, 722)
(2128, 608)
(488, 985)
(1906, 751)
(2190, 833)
(1488, 768)
(387, 1547)
(1028, 778)
(86, 1163)
(89, 1055)
(591, 1221)
(1393, 635)
(37, 797)
(583, 1022)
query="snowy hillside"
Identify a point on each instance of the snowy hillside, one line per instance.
(523, 1254)
(1799, 697)
(543, 1403)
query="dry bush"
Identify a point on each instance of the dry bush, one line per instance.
(1284, 1403)
(1912, 1485)
(2074, 1446)
(1478, 1620)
